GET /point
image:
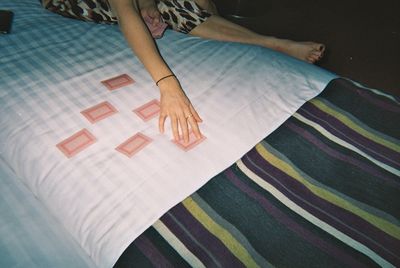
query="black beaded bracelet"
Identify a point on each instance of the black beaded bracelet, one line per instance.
(163, 78)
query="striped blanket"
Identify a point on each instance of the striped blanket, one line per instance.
(323, 190)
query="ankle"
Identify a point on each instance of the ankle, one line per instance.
(272, 42)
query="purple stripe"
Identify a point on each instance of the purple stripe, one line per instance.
(211, 248)
(207, 239)
(346, 133)
(370, 96)
(151, 252)
(187, 240)
(337, 128)
(338, 155)
(378, 102)
(296, 228)
(358, 228)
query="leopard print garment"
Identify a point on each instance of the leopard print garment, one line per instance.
(98, 11)
(180, 15)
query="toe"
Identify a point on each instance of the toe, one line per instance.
(314, 57)
(321, 47)
(310, 59)
(317, 54)
(318, 47)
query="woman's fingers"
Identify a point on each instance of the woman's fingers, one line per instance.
(194, 120)
(184, 128)
(161, 123)
(181, 125)
(152, 14)
(195, 114)
(175, 127)
(195, 127)
(156, 16)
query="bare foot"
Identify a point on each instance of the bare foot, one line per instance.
(308, 51)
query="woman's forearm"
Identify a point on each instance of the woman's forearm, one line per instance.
(145, 3)
(174, 102)
(139, 38)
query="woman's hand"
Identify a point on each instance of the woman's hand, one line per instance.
(148, 9)
(176, 106)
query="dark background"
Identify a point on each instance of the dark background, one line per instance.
(362, 37)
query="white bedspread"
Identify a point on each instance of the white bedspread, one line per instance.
(50, 70)
(30, 237)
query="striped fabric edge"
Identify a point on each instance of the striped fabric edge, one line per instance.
(386, 226)
(374, 91)
(355, 124)
(314, 220)
(345, 144)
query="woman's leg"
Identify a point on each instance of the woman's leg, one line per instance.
(218, 28)
(187, 16)
(207, 5)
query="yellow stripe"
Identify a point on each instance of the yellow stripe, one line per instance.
(382, 224)
(226, 238)
(353, 125)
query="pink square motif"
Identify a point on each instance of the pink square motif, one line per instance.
(76, 143)
(193, 141)
(99, 112)
(148, 110)
(118, 82)
(134, 144)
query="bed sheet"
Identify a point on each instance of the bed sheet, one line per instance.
(30, 237)
(51, 68)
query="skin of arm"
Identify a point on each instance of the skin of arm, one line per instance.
(207, 5)
(174, 102)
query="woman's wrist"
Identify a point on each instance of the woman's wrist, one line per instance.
(169, 84)
(167, 81)
(165, 77)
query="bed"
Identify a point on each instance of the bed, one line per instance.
(316, 183)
